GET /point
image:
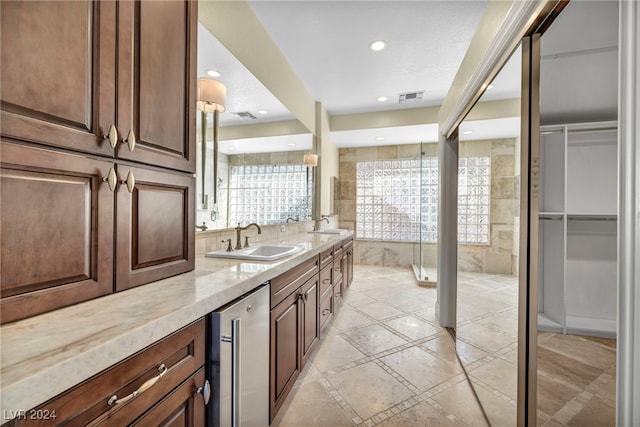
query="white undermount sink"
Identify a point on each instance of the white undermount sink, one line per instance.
(257, 252)
(330, 231)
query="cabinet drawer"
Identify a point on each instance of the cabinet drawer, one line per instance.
(326, 276)
(326, 258)
(182, 353)
(337, 251)
(338, 264)
(337, 293)
(347, 244)
(326, 310)
(284, 284)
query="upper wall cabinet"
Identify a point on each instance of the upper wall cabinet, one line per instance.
(102, 77)
(98, 149)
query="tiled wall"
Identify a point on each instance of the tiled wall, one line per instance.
(500, 257)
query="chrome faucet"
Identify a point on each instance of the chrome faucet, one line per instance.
(318, 223)
(239, 237)
(292, 219)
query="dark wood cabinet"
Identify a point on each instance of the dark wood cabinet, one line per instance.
(177, 362)
(285, 360)
(326, 287)
(310, 304)
(63, 80)
(181, 408)
(347, 263)
(303, 300)
(155, 226)
(338, 267)
(156, 83)
(56, 222)
(295, 328)
(58, 72)
(92, 77)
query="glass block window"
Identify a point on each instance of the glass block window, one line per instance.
(269, 194)
(388, 199)
(397, 200)
(474, 183)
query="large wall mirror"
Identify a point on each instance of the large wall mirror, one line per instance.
(259, 150)
(488, 247)
(577, 260)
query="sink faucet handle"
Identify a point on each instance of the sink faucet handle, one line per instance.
(229, 247)
(246, 241)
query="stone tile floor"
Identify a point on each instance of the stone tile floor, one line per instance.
(385, 361)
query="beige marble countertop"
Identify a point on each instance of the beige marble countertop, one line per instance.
(45, 355)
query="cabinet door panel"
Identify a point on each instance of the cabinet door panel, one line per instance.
(310, 317)
(156, 81)
(182, 408)
(57, 230)
(156, 231)
(285, 351)
(57, 76)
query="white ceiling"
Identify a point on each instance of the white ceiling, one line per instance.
(326, 43)
(244, 91)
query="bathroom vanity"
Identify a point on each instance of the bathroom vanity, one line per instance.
(85, 361)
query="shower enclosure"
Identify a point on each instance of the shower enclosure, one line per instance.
(426, 220)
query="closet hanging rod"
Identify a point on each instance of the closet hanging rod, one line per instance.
(551, 217)
(554, 131)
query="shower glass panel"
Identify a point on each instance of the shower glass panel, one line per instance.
(425, 249)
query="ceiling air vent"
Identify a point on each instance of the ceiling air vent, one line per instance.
(410, 97)
(245, 115)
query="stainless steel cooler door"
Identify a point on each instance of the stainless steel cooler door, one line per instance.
(241, 326)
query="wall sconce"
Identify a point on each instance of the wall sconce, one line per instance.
(311, 160)
(212, 97)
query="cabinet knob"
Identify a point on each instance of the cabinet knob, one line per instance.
(112, 136)
(130, 140)
(205, 391)
(326, 311)
(111, 179)
(130, 182)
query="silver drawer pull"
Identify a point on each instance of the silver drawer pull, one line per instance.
(113, 400)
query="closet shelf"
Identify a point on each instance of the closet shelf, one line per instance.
(592, 217)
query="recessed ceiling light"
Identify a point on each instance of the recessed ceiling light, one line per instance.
(291, 144)
(263, 112)
(467, 132)
(489, 87)
(380, 138)
(213, 73)
(382, 98)
(377, 45)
